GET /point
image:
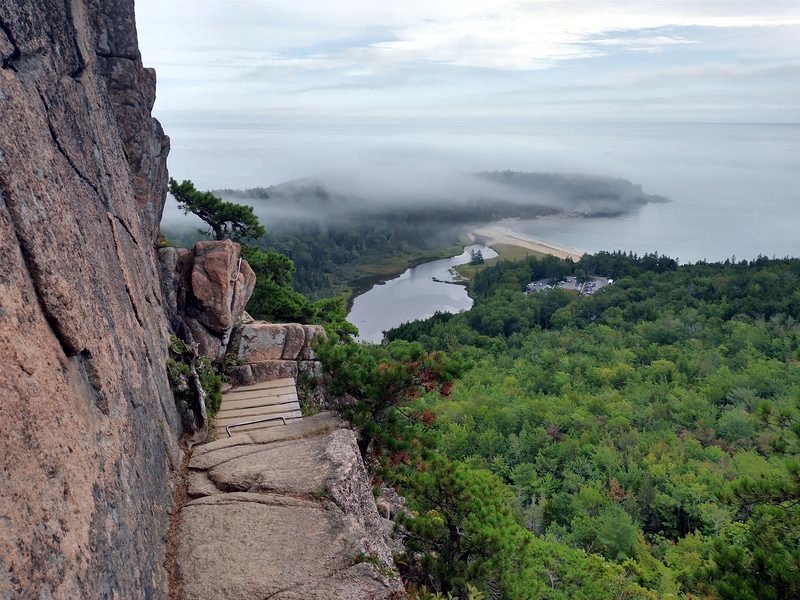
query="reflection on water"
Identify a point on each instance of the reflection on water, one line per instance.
(413, 295)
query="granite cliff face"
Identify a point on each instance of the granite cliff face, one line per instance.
(88, 427)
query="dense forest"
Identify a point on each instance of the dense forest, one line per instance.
(637, 443)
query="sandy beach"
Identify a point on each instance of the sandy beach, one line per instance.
(494, 234)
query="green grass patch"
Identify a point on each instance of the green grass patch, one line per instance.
(504, 252)
(395, 265)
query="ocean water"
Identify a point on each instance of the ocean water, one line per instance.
(734, 191)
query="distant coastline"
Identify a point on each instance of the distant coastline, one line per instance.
(495, 234)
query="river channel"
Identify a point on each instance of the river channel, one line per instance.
(416, 294)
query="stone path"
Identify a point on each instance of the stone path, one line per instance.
(268, 399)
(285, 513)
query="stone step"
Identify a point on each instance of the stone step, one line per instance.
(255, 403)
(281, 391)
(263, 385)
(273, 399)
(260, 426)
(261, 401)
(222, 421)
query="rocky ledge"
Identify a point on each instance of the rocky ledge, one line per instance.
(284, 513)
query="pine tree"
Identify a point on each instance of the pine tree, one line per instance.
(227, 220)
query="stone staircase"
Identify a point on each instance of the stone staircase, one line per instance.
(258, 406)
(279, 506)
(286, 513)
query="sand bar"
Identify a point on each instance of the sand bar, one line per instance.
(495, 234)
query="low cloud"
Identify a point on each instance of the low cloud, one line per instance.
(402, 190)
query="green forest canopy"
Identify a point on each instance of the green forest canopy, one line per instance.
(638, 443)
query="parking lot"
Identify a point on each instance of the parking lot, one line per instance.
(570, 283)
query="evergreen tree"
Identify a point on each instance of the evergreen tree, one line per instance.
(476, 257)
(226, 220)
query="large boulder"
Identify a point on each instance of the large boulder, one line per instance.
(207, 344)
(259, 342)
(311, 368)
(221, 285)
(205, 291)
(269, 370)
(313, 332)
(295, 341)
(176, 269)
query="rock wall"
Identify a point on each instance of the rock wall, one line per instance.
(275, 350)
(88, 426)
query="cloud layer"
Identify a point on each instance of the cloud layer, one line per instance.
(317, 82)
(386, 57)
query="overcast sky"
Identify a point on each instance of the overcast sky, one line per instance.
(590, 60)
(311, 65)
